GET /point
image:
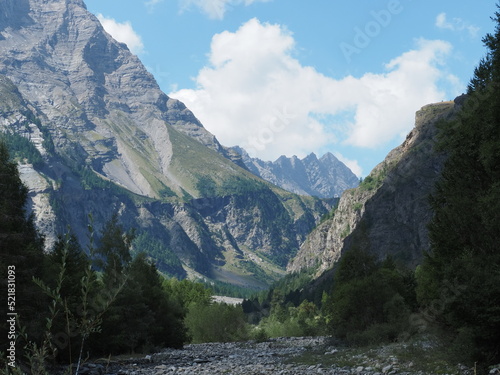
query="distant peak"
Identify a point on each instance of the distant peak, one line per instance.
(329, 156)
(311, 156)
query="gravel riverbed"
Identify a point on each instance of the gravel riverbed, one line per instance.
(275, 356)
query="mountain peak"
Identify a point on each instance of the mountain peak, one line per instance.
(325, 177)
(311, 156)
(95, 92)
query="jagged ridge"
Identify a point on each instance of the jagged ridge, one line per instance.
(325, 177)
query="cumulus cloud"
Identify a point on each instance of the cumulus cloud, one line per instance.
(215, 9)
(256, 94)
(456, 24)
(123, 32)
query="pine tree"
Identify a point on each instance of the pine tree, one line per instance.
(113, 252)
(143, 316)
(20, 246)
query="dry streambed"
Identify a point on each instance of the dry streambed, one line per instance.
(292, 356)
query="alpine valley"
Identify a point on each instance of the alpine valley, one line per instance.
(398, 271)
(94, 137)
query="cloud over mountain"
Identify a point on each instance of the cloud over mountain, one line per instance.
(255, 93)
(123, 32)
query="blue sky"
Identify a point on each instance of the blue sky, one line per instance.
(291, 77)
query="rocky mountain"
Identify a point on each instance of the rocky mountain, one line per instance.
(94, 135)
(389, 212)
(325, 177)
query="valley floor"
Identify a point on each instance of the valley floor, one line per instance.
(291, 356)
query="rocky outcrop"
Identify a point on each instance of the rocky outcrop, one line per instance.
(326, 177)
(389, 212)
(40, 188)
(323, 245)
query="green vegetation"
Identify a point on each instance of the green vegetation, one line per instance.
(47, 143)
(328, 216)
(70, 302)
(165, 259)
(206, 186)
(166, 192)
(286, 309)
(371, 301)
(215, 322)
(346, 231)
(105, 301)
(357, 206)
(21, 148)
(110, 299)
(453, 296)
(459, 280)
(374, 181)
(90, 180)
(236, 185)
(288, 320)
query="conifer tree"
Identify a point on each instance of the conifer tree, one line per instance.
(21, 245)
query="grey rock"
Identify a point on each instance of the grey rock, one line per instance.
(390, 217)
(326, 177)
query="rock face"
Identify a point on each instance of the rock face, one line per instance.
(109, 141)
(94, 92)
(325, 177)
(388, 213)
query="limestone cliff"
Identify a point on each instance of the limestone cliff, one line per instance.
(94, 92)
(388, 213)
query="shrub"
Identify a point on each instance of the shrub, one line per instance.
(216, 323)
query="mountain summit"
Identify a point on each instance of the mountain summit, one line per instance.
(325, 177)
(96, 93)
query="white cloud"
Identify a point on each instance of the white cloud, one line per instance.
(123, 32)
(257, 95)
(215, 9)
(457, 24)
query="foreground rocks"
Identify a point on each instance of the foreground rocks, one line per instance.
(285, 356)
